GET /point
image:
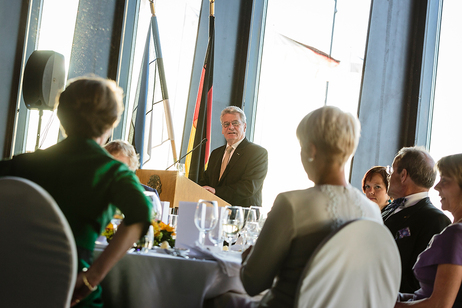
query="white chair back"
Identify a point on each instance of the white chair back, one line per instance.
(38, 253)
(358, 266)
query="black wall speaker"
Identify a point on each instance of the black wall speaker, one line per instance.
(43, 79)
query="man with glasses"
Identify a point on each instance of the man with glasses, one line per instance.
(412, 218)
(236, 171)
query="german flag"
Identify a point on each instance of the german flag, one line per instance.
(196, 163)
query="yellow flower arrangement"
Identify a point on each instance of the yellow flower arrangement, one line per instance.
(163, 233)
(109, 231)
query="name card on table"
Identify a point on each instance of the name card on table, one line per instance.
(186, 231)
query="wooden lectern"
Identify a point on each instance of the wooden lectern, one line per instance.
(176, 187)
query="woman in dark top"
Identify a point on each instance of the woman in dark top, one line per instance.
(86, 182)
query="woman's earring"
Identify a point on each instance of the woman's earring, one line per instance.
(310, 160)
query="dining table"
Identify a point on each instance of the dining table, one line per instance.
(158, 279)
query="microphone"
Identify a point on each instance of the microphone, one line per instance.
(202, 142)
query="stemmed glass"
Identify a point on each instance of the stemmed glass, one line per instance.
(156, 205)
(261, 217)
(205, 218)
(243, 231)
(233, 221)
(252, 227)
(148, 240)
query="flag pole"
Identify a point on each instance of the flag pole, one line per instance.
(163, 84)
(212, 7)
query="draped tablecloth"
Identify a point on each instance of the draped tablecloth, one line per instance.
(160, 280)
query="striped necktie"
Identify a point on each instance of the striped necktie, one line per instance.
(225, 161)
(390, 209)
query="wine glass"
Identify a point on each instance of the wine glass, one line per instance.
(148, 239)
(233, 221)
(216, 236)
(205, 218)
(173, 220)
(261, 216)
(243, 231)
(252, 227)
(156, 205)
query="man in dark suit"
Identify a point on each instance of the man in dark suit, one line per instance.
(414, 220)
(236, 171)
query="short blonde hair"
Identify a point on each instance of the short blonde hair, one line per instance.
(335, 133)
(121, 147)
(89, 106)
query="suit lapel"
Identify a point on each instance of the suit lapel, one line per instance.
(399, 221)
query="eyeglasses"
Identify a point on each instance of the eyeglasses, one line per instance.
(234, 123)
(389, 169)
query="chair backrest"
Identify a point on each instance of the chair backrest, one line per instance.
(358, 265)
(38, 256)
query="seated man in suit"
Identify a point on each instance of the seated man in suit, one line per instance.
(414, 221)
(236, 171)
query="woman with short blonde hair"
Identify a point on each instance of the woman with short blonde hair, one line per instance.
(301, 219)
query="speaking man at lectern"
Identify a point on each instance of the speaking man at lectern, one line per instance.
(236, 171)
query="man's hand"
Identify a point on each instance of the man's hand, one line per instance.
(211, 189)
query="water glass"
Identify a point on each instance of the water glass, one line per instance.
(205, 218)
(156, 205)
(148, 240)
(252, 227)
(261, 216)
(243, 231)
(173, 220)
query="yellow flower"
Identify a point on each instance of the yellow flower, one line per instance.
(157, 228)
(169, 228)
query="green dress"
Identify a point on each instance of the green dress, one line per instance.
(88, 185)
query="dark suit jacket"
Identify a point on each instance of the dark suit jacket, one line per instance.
(242, 181)
(413, 229)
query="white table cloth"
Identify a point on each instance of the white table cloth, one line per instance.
(160, 280)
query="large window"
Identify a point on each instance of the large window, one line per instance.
(177, 22)
(296, 80)
(56, 33)
(447, 104)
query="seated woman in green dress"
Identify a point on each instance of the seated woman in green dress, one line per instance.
(86, 182)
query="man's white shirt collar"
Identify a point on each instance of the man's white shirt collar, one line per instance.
(412, 200)
(235, 145)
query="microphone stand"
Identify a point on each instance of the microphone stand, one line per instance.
(203, 141)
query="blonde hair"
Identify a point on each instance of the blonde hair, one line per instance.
(121, 147)
(451, 166)
(89, 106)
(335, 133)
